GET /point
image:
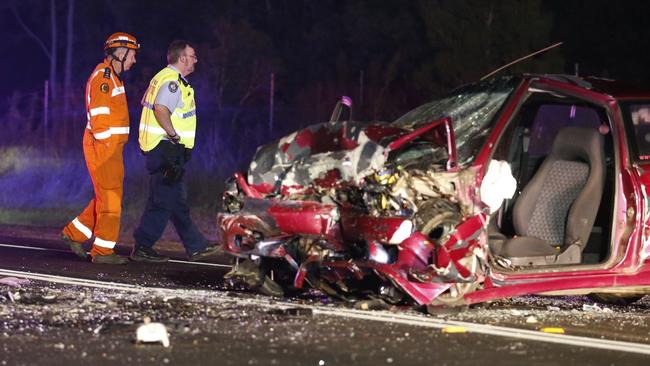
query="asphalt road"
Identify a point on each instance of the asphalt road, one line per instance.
(53, 257)
(68, 324)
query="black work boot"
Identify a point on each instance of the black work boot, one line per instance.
(76, 248)
(109, 259)
(203, 253)
(144, 254)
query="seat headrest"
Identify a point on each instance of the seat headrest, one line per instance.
(578, 143)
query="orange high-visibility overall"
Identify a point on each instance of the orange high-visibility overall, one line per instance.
(103, 144)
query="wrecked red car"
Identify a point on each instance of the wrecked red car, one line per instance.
(531, 184)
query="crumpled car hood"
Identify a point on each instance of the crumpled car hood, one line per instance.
(322, 153)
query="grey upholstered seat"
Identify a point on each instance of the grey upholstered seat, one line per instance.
(555, 212)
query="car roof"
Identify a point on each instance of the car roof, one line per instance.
(615, 88)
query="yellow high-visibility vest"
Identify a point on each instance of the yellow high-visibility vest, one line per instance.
(183, 119)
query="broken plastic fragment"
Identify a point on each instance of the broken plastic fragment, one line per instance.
(595, 308)
(531, 320)
(14, 282)
(404, 230)
(553, 330)
(13, 297)
(377, 253)
(454, 329)
(152, 333)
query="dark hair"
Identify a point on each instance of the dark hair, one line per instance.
(113, 51)
(175, 50)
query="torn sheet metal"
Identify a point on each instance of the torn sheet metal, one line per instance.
(344, 201)
(414, 254)
(398, 211)
(266, 221)
(300, 158)
(371, 228)
(451, 259)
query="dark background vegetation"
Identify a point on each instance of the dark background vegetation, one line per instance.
(388, 55)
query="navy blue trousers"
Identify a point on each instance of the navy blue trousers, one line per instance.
(167, 201)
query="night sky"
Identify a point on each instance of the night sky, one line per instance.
(387, 55)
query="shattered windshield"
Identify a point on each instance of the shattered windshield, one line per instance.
(472, 109)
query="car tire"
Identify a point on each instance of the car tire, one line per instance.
(437, 218)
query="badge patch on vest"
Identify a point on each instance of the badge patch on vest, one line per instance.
(104, 88)
(173, 87)
(107, 73)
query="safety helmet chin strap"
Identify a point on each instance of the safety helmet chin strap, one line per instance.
(121, 61)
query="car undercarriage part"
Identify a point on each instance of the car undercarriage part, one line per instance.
(425, 200)
(255, 276)
(454, 295)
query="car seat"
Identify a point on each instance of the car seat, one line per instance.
(555, 213)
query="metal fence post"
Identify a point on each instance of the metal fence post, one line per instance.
(45, 108)
(271, 95)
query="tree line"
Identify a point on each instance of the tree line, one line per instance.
(388, 56)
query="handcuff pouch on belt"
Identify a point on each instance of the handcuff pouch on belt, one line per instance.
(174, 157)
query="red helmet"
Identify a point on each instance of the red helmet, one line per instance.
(121, 39)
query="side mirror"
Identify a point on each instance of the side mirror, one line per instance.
(338, 108)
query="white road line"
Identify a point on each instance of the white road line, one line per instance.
(380, 316)
(32, 248)
(70, 280)
(201, 263)
(28, 247)
(564, 339)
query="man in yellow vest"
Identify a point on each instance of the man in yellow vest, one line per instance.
(167, 132)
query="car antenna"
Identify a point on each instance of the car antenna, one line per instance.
(522, 58)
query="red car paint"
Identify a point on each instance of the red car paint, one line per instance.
(425, 269)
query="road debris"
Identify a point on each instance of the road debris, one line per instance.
(36, 298)
(15, 296)
(98, 326)
(595, 308)
(454, 329)
(152, 333)
(374, 304)
(531, 320)
(14, 282)
(516, 312)
(292, 311)
(552, 330)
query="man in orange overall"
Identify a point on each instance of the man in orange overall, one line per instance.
(103, 144)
